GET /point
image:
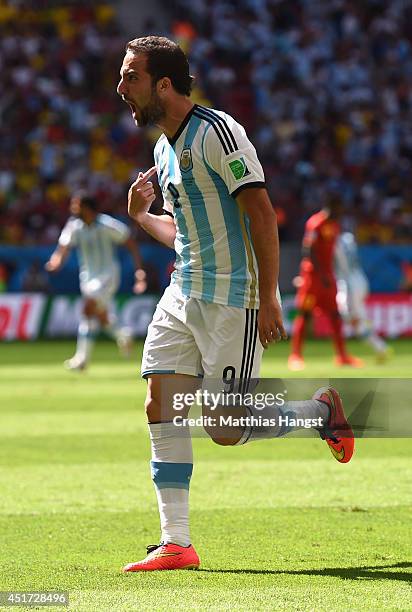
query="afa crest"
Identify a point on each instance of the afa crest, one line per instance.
(186, 162)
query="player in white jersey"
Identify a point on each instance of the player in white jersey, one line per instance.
(96, 237)
(222, 307)
(353, 289)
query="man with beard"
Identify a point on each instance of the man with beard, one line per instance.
(222, 307)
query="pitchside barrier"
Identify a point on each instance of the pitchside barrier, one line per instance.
(19, 263)
(386, 267)
(28, 316)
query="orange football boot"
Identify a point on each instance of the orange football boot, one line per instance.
(349, 360)
(338, 432)
(166, 557)
(296, 363)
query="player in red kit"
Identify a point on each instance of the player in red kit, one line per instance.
(317, 285)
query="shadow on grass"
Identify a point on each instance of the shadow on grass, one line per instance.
(371, 572)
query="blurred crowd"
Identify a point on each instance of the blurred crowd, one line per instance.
(62, 124)
(323, 88)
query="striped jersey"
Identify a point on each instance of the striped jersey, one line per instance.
(96, 244)
(200, 172)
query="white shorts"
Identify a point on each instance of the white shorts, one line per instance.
(101, 289)
(190, 336)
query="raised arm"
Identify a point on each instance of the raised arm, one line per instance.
(141, 197)
(264, 231)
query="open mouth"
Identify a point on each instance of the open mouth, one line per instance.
(132, 106)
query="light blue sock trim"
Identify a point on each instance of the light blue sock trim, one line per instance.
(171, 475)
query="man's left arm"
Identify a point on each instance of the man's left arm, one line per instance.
(264, 231)
(140, 284)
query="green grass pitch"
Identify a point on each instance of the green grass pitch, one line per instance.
(279, 525)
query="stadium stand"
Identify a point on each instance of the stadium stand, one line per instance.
(62, 123)
(326, 96)
(324, 90)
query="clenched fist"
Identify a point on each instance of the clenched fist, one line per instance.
(141, 194)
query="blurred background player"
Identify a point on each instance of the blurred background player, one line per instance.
(96, 236)
(317, 284)
(353, 289)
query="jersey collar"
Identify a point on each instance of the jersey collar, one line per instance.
(172, 141)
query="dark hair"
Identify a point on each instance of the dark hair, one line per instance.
(164, 59)
(86, 199)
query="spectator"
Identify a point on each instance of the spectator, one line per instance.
(324, 89)
(62, 125)
(331, 106)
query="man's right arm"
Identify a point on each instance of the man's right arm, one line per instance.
(141, 197)
(160, 227)
(57, 259)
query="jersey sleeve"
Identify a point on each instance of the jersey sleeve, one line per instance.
(116, 230)
(310, 235)
(167, 207)
(68, 236)
(229, 152)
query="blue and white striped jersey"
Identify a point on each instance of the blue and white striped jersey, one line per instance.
(95, 244)
(200, 172)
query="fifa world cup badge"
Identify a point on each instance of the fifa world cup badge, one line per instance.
(186, 162)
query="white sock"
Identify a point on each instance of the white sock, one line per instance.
(305, 409)
(376, 342)
(172, 465)
(366, 332)
(112, 328)
(86, 335)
